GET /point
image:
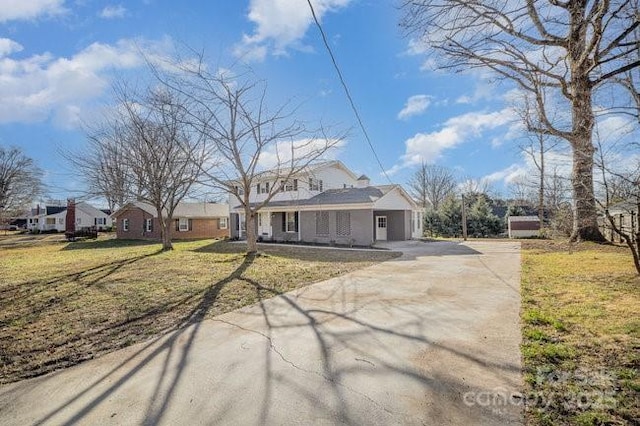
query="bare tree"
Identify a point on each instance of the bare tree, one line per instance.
(431, 184)
(472, 187)
(523, 191)
(147, 151)
(536, 147)
(20, 182)
(100, 165)
(231, 116)
(631, 179)
(553, 51)
(557, 191)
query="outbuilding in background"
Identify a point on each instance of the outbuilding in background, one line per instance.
(523, 226)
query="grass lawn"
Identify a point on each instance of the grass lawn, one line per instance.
(63, 303)
(581, 334)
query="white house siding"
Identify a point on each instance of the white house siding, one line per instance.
(58, 219)
(86, 216)
(332, 176)
(393, 200)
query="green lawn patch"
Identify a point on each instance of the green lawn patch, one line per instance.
(62, 303)
(581, 334)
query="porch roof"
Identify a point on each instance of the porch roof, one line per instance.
(333, 198)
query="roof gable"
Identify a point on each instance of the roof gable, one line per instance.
(396, 198)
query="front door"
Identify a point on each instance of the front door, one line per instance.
(381, 228)
(264, 224)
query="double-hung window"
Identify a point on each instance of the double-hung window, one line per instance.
(263, 188)
(315, 184)
(223, 223)
(148, 225)
(183, 224)
(290, 222)
(125, 224)
(291, 185)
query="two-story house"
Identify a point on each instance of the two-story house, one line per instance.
(329, 204)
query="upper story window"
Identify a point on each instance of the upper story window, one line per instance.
(315, 184)
(239, 190)
(290, 185)
(262, 188)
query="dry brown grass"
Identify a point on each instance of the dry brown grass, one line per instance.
(581, 334)
(62, 303)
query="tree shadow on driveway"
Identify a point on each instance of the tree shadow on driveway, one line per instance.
(336, 319)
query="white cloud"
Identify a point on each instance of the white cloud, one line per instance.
(282, 152)
(113, 11)
(507, 175)
(429, 146)
(41, 86)
(11, 10)
(8, 46)
(415, 105)
(280, 24)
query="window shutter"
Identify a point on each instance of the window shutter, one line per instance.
(295, 184)
(257, 188)
(310, 184)
(267, 187)
(219, 219)
(177, 224)
(95, 220)
(190, 224)
(295, 220)
(284, 221)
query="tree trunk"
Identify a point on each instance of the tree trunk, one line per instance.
(250, 217)
(165, 233)
(541, 188)
(585, 215)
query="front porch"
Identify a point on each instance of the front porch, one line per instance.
(360, 227)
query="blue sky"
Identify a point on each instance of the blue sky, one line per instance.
(58, 58)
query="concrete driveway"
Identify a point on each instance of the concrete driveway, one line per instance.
(429, 338)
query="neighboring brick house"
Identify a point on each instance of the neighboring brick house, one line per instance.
(137, 220)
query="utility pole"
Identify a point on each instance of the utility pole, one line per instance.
(464, 219)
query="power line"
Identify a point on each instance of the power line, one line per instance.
(346, 90)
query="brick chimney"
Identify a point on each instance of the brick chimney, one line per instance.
(70, 222)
